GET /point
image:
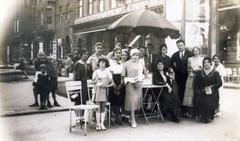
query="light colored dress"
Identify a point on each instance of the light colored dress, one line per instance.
(133, 98)
(102, 77)
(222, 72)
(196, 64)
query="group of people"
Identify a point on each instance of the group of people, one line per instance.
(45, 81)
(198, 82)
(118, 78)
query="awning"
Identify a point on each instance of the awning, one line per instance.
(91, 31)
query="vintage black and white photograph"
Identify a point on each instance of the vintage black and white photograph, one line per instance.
(122, 70)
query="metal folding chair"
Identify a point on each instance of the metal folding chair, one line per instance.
(73, 89)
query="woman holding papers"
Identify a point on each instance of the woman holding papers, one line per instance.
(206, 95)
(133, 76)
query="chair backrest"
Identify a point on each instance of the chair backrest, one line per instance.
(234, 71)
(73, 89)
(228, 71)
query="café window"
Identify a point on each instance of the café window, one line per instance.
(197, 24)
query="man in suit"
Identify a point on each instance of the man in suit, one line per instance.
(143, 57)
(151, 57)
(179, 63)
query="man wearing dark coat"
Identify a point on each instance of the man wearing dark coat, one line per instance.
(179, 63)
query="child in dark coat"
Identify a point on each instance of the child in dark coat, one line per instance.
(43, 81)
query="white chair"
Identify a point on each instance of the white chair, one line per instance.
(73, 89)
(108, 104)
(229, 75)
(235, 74)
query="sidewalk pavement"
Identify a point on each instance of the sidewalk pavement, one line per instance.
(16, 96)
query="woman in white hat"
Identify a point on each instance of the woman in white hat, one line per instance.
(132, 77)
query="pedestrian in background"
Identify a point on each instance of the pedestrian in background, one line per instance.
(52, 69)
(218, 66)
(41, 59)
(179, 63)
(43, 83)
(206, 95)
(132, 77)
(21, 66)
(102, 78)
(68, 64)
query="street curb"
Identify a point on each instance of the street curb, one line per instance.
(231, 87)
(30, 111)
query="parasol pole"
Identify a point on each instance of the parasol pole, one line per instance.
(134, 40)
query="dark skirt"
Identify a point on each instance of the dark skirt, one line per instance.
(84, 93)
(205, 105)
(167, 100)
(113, 97)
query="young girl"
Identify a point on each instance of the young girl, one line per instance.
(102, 78)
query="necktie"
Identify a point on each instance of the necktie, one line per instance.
(150, 58)
(85, 65)
(181, 55)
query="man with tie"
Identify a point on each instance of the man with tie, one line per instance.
(151, 57)
(179, 63)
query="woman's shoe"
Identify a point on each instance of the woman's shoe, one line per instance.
(134, 124)
(98, 128)
(102, 127)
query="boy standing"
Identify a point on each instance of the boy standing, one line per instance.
(43, 81)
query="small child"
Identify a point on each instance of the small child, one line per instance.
(43, 80)
(102, 78)
(188, 94)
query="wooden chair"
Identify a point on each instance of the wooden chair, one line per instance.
(73, 89)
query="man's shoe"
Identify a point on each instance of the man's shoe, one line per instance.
(56, 104)
(34, 105)
(126, 120)
(49, 104)
(176, 120)
(41, 108)
(118, 122)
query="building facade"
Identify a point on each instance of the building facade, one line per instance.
(67, 26)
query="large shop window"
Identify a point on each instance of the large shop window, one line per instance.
(197, 24)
